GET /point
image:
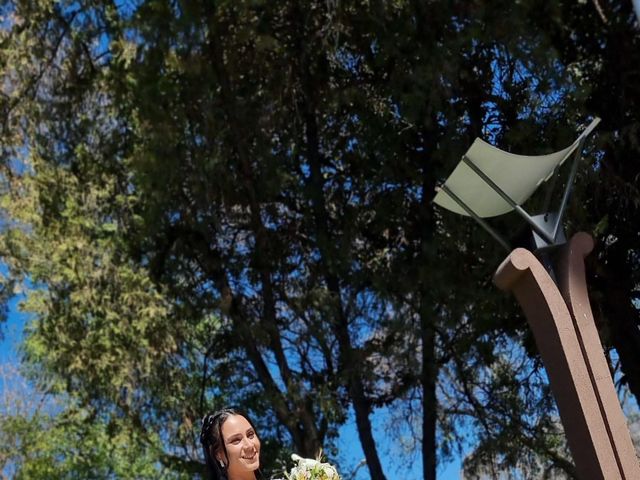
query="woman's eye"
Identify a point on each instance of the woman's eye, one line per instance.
(251, 434)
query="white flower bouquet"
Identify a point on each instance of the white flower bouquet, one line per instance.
(310, 469)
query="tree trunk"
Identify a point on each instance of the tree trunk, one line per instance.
(349, 362)
(299, 420)
(428, 319)
(361, 408)
(428, 380)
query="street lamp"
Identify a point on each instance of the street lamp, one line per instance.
(489, 182)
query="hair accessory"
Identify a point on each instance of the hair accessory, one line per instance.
(207, 423)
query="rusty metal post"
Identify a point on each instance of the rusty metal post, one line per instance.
(565, 333)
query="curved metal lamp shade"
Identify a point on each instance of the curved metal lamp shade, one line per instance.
(517, 175)
(489, 182)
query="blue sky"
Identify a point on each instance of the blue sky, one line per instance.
(11, 334)
(351, 454)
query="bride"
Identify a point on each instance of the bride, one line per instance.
(231, 446)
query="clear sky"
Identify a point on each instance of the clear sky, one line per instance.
(11, 334)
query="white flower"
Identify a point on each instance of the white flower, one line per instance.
(310, 469)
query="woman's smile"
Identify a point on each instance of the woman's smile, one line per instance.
(242, 447)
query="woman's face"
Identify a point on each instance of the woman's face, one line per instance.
(243, 447)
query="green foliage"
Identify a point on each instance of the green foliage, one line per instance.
(44, 436)
(68, 447)
(102, 332)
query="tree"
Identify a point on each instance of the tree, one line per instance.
(239, 193)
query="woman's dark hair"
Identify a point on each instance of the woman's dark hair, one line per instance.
(212, 442)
